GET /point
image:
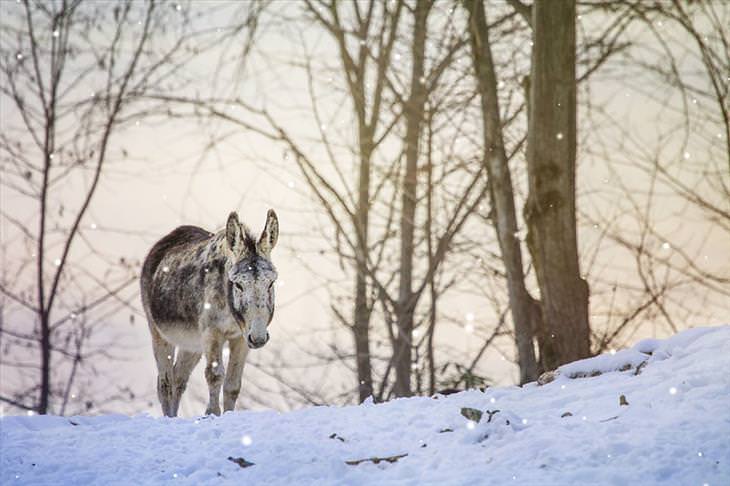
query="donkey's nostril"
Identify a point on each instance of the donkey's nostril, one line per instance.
(267, 337)
(256, 344)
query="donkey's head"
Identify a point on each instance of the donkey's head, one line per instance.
(251, 278)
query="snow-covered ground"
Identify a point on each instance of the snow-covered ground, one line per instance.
(673, 428)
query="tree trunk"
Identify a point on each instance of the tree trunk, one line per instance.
(433, 293)
(501, 192)
(414, 117)
(361, 318)
(45, 389)
(550, 209)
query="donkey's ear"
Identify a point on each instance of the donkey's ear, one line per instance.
(267, 242)
(234, 234)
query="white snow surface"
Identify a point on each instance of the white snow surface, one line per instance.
(675, 430)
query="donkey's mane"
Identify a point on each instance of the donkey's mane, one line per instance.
(249, 241)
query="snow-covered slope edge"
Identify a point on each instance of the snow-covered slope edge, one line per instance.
(675, 430)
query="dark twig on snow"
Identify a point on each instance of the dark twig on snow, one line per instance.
(376, 460)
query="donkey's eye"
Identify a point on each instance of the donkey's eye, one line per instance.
(238, 286)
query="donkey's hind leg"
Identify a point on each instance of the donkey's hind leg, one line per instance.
(185, 363)
(164, 353)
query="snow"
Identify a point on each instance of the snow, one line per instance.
(648, 350)
(660, 437)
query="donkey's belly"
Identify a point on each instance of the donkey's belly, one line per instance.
(184, 337)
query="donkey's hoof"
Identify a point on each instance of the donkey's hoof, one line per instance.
(213, 411)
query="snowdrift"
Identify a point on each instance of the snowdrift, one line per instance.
(658, 413)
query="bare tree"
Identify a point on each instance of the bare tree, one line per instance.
(525, 310)
(550, 211)
(392, 244)
(366, 37)
(73, 74)
(414, 114)
(674, 281)
(375, 46)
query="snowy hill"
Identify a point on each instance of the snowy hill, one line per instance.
(672, 426)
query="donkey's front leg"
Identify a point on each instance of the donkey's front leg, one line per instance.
(232, 386)
(214, 369)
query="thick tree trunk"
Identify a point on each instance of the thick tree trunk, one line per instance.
(414, 118)
(550, 210)
(501, 192)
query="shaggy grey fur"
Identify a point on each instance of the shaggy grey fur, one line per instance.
(200, 290)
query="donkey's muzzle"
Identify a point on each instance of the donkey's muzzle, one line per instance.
(253, 344)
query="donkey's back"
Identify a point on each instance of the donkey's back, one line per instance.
(160, 297)
(178, 238)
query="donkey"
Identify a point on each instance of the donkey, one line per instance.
(200, 290)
